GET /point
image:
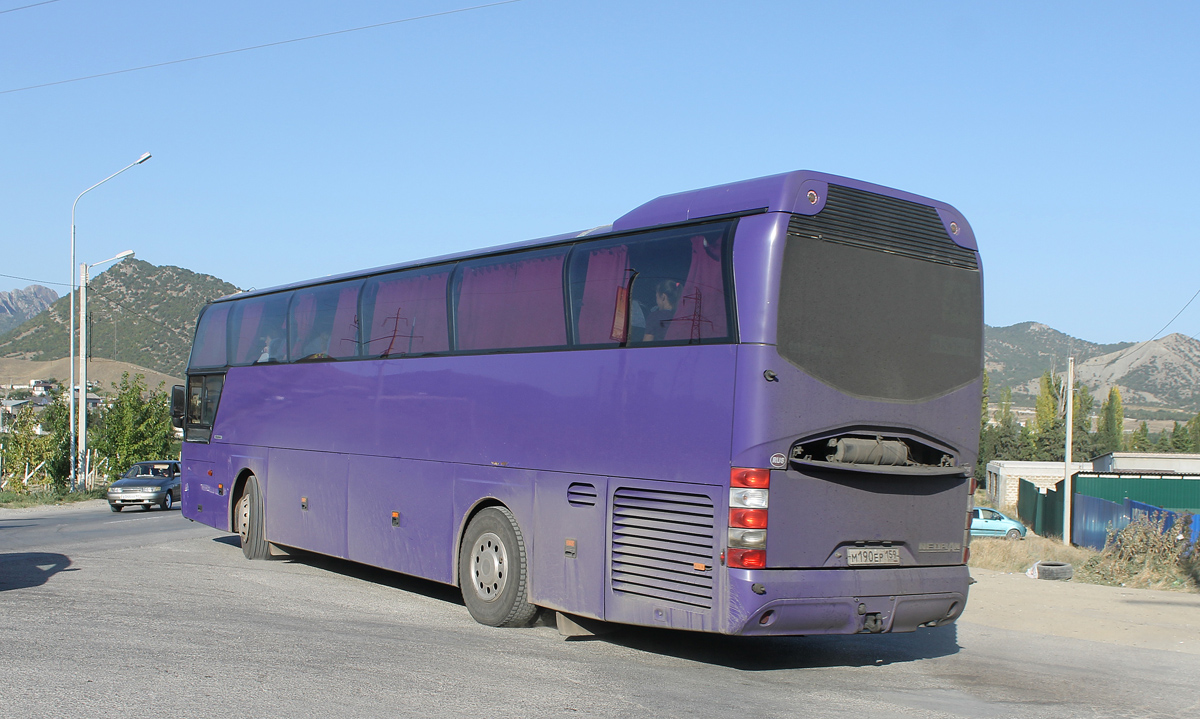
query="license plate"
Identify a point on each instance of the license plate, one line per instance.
(871, 555)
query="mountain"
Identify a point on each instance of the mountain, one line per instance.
(21, 305)
(137, 313)
(1020, 353)
(1165, 372)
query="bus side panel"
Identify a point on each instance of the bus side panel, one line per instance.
(420, 539)
(654, 412)
(200, 498)
(569, 523)
(305, 499)
(475, 485)
(663, 567)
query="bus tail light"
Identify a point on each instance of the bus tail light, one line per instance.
(743, 477)
(748, 518)
(747, 558)
(749, 496)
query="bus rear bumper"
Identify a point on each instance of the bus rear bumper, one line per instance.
(845, 601)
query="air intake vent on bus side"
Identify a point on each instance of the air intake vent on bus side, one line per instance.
(580, 494)
(663, 545)
(884, 224)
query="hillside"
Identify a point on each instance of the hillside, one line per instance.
(18, 306)
(1165, 372)
(1020, 353)
(138, 313)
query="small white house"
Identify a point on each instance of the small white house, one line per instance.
(1004, 478)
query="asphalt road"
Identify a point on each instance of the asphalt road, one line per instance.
(144, 614)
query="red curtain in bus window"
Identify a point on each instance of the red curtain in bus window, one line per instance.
(248, 346)
(408, 315)
(343, 340)
(510, 304)
(701, 311)
(603, 300)
(209, 347)
(304, 316)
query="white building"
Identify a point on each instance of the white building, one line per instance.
(1149, 462)
(1004, 478)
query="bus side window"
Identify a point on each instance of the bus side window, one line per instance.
(209, 349)
(511, 302)
(258, 330)
(323, 323)
(404, 313)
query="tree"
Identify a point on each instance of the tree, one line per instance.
(1110, 433)
(1181, 439)
(1139, 441)
(1193, 427)
(136, 427)
(1049, 434)
(24, 448)
(1083, 442)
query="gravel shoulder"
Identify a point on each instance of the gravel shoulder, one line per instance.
(1145, 618)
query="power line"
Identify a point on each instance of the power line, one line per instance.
(26, 7)
(259, 47)
(1164, 327)
(40, 282)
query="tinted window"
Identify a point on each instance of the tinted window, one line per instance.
(208, 350)
(665, 286)
(323, 322)
(509, 302)
(204, 394)
(876, 324)
(405, 313)
(258, 330)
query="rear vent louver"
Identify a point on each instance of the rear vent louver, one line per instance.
(884, 224)
(580, 494)
(663, 546)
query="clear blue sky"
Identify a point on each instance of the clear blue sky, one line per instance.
(1067, 133)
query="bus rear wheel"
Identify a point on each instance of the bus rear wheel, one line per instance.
(249, 520)
(492, 570)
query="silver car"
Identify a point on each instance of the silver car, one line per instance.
(146, 484)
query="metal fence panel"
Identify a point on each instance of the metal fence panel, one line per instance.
(1175, 493)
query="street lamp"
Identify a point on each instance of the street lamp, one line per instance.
(71, 338)
(83, 283)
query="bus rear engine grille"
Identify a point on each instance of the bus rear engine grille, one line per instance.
(885, 224)
(662, 546)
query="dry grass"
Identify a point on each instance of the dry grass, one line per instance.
(1146, 554)
(1007, 555)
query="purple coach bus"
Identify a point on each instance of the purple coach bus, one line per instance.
(602, 423)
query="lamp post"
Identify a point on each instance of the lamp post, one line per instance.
(83, 283)
(71, 337)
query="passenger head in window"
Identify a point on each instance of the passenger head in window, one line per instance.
(272, 350)
(658, 319)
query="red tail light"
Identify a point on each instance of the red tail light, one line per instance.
(748, 518)
(974, 486)
(742, 477)
(747, 558)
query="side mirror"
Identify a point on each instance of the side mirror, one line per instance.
(178, 405)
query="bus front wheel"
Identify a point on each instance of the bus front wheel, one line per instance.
(492, 570)
(250, 521)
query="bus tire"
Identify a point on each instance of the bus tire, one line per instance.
(249, 519)
(492, 570)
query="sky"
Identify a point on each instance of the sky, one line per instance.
(1068, 133)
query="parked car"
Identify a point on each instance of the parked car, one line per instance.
(990, 523)
(146, 484)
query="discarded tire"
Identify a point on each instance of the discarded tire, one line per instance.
(1054, 570)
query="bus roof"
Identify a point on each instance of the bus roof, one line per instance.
(786, 192)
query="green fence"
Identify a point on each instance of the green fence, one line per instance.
(1041, 512)
(1169, 492)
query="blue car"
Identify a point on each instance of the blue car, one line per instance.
(990, 523)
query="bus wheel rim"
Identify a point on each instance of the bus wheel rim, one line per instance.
(489, 567)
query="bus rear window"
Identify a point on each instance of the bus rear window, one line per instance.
(510, 302)
(665, 286)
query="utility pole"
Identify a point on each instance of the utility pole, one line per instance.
(1068, 490)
